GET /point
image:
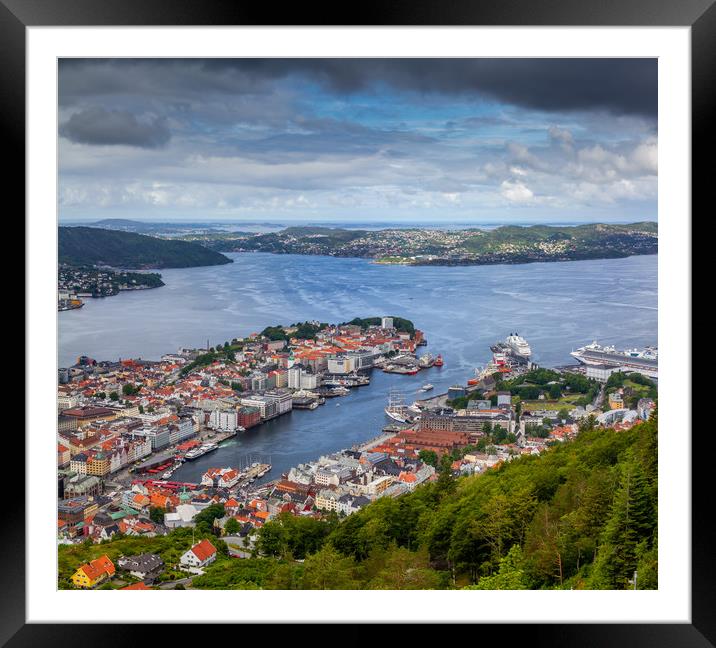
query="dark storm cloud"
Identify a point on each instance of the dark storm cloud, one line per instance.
(619, 86)
(97, 125)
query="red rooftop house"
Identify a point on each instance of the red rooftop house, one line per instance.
(200, 555)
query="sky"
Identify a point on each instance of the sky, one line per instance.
(358, 140)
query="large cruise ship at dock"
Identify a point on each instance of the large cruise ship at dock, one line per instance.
(518, 345)
(645, 360)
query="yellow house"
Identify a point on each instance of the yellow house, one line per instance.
(93, 572)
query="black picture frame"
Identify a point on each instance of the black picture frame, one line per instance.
(700, 15)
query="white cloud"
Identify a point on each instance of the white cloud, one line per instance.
(516, 192)
(646, 156)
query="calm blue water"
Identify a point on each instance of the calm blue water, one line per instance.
(462, 310)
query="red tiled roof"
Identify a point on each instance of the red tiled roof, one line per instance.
(136, 586)
(204, 550)
(97, 567)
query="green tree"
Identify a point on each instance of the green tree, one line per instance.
(232, 526)
(156, 514)
(429, 457)
(205, 519)
(406, 570)
(510, 576)
(588, 423)
(631, 522)
(329, 570)
(113, 396)
(554, 391)
(128, 389)
(272, 540)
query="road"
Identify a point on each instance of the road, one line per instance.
(599, 398)
(186, 582)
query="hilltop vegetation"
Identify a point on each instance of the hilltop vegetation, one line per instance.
(83, 246)
(401, 324)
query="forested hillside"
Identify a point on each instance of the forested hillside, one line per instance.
(582, 515)
(86, 246)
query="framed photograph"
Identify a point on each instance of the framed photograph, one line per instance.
(359, 324)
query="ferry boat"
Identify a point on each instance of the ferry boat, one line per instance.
(401, 369)
(518, 345)
(195, 453)
(426, 361)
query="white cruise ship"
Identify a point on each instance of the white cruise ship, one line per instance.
(518, 345)
(645, 360)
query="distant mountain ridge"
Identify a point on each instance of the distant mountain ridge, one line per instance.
(119, 249)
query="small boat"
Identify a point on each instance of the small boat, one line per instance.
(426, 387)
(439, 361)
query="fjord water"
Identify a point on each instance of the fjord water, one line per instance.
(557, 307)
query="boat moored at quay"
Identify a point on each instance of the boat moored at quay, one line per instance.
(644, 360)
(205, 448)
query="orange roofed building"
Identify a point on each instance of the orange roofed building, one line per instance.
(201, 554)
(94, 572)
(136, 586)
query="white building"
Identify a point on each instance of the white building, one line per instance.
(341, 364)
(601, 372)
(327, 500)
(182, 517)
(283, 399)
(221, 477)
(225, 420)
(200, 555)
(386, 322)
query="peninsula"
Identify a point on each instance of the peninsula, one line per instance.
(128, 250)
(421, 246)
